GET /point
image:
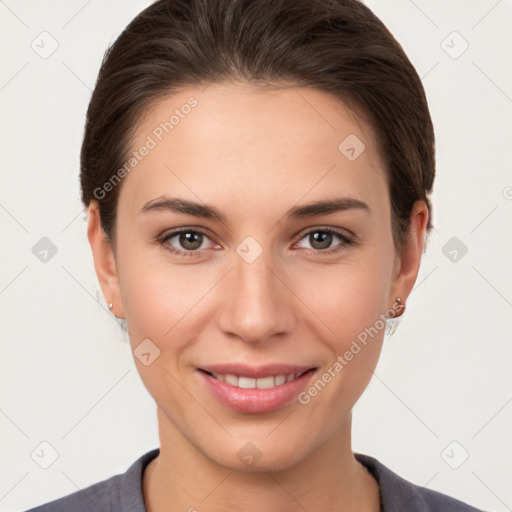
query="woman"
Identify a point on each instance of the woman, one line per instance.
(257, 176)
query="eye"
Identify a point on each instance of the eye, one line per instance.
(320, 240)
(189, 241)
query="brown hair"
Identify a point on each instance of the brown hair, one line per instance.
(336, 46)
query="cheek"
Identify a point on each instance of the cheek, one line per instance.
(350, 299)
(347, 297)
(162, 300)
(165, 304)
(352, 309)
(351, 304)
(158, 299)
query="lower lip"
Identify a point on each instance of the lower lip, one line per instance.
(256, 400)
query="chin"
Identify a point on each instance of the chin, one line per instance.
(259, 455)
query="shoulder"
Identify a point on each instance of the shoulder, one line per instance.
(400, 494)
(122, 492)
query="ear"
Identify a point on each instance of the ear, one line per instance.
(104, 260)
(408, 262)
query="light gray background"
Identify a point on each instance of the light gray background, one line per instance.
(67, 374)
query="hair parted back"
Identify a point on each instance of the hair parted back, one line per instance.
(336, 46)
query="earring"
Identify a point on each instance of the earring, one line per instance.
(392, 313)
(401, 306)
(110, 306)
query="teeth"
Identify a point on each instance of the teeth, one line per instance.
(250, 383)
(246, 382)
(230, 379)
(280, 379)
(266, 382)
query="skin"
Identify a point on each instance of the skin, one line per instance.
(254, 154)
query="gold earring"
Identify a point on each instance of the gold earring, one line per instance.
(402, 306)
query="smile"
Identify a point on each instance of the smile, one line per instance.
(255, 390)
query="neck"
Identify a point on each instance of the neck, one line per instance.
(183, 478)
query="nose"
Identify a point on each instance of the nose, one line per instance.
(256, 303)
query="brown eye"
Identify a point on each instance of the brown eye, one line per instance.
(321, 240)
(187, 242)
(190, 240)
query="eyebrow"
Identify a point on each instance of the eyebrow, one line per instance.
(206, 211)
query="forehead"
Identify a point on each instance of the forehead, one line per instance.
(237, 142)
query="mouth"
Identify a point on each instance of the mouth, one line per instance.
(255, 390)
(245, 382)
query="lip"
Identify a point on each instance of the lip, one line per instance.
(255, 400)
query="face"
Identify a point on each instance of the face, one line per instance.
(255, 316)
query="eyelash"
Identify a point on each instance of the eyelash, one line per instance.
(346, 241)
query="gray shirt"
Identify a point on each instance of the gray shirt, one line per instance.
(123, 492)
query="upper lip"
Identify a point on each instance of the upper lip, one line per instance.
(255, 372)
